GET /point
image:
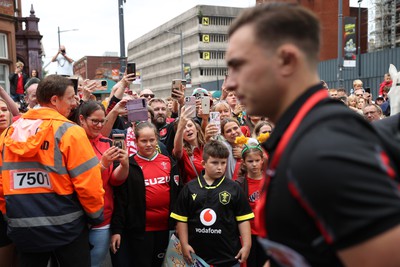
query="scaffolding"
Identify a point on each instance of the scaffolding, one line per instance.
(384, 24)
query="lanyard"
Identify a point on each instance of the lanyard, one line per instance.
(287, 136)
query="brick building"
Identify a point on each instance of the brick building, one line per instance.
(20, 40)
(328, 14)
(97, 67)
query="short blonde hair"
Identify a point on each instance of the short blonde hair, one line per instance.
(357, 82)
(19, 64)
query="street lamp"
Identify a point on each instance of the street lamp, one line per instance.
(181, 38)
(59, 42)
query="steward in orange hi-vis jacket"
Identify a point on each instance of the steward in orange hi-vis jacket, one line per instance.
(50, 183)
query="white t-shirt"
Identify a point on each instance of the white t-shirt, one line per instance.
(64, 67)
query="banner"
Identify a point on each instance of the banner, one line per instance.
(174, 256)
(187, 71)
(350, 44)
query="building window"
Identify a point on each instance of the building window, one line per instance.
(3, 46)
(3, 76)
(213, 71)
(220, 21)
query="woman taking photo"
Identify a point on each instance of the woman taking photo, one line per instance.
(140, 223)
(92, 118)
(188, 146)
(7, 249)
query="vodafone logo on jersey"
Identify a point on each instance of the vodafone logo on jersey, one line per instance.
(208, 217)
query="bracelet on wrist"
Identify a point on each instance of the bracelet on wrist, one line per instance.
(102, 166)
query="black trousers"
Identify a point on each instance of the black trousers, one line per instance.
(141, 252)
(75, 254)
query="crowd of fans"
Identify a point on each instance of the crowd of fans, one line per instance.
(139, 196)
(171, 172)
(360, 100)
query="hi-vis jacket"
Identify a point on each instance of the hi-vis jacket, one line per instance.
(50, 180)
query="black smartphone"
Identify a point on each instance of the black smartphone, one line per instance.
(119, 140)
(131, 68)
(75, 82)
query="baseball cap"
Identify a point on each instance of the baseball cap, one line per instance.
(31, 81)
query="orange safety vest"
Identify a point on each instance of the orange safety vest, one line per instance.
(50, 179)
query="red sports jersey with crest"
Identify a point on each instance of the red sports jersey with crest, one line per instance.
(156, 172)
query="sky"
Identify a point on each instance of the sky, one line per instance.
(97, 23)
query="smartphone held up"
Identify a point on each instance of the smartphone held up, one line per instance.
(118, 141)
(137, 110)
(190, 104)
(131, 68)
(177, 85)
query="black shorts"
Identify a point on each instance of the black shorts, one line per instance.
(4, 240)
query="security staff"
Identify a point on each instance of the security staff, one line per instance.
(51, 179)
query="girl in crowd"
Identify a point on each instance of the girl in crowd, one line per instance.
(251, 177)
(262, 127)
(34, 73)
(141, 223)
(92, 119)
(360, 105)
(352, 102)
(230, 129)
(7, 249)
(188, 146)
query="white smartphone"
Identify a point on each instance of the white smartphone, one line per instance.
(190, 102)
(216, 120)
(205, 104)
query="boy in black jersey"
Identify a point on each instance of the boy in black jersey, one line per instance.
(212, 213)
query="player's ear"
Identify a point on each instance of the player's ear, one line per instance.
(203, 163)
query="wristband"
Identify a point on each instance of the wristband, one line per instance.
(104, 167)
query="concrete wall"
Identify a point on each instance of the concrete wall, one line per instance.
(157, 53)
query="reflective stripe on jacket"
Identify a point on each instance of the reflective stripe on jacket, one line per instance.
(50, 180)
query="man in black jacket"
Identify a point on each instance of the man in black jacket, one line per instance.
(332, 198)
(18, 80)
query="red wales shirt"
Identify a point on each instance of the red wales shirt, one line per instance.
(156, 172)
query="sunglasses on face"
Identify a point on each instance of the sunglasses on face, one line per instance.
(147, 95)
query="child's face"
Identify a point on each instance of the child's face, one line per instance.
(388, 78)
(214, 167)
(253, 163)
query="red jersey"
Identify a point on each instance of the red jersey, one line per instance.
(254, 188)
(196, 159)
(156, 172)
(20, 84)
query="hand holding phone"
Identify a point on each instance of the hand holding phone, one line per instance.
(205, 104)
(131, 68)
(119, 141)
(216, 120)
